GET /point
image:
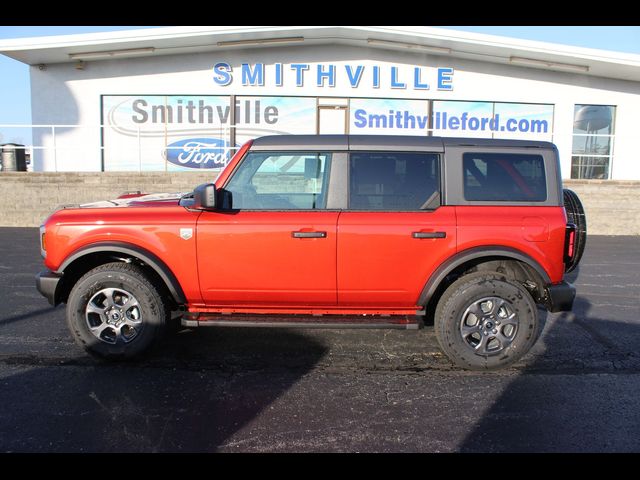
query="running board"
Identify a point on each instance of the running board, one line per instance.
(301, 321)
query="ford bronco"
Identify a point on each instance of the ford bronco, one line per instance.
(338, 231)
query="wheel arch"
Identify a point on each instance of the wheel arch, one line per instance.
(473, 257)
(88, 257)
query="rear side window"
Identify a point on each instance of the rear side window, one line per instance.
(504, 177)
(393, 181)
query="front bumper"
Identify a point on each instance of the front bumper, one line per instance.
(47, 283)
(559, 297)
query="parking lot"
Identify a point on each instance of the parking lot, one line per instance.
(283, 390)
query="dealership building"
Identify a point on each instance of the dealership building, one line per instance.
(184, 98)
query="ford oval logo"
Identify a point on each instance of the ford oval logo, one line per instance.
(199, 153)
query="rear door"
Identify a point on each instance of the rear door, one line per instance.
(394, 232)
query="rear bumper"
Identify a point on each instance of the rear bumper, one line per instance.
(47, 283)
(559, 297)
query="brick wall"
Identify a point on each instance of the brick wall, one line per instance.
(28, 198)
(613, 207)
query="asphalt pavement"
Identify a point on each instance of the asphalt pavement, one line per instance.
(296, 390)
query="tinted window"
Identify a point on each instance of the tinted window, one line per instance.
(280, 181)
(393, 181)
(504, 177)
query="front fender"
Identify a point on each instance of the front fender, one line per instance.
(163, 271)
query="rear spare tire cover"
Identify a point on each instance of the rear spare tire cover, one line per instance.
(575, 215)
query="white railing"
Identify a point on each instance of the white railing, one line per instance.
(60, 147)
(110, 147)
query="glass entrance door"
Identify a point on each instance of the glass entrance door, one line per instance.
(332, 119)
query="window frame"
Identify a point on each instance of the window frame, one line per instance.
(587, 155)
(440, 179)
(329, 201)
(454, 171)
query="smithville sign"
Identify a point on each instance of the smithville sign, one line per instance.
(327, 74)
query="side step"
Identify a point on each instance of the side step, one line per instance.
(404, 322)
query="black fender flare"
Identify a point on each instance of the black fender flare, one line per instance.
(475, 253)
(146, 256)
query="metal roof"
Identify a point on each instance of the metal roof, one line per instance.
(428, 40)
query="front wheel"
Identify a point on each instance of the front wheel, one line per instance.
(485, 321)
(115, 312)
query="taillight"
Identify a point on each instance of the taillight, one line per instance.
(572, 237)
(43, 244)
(569, 243)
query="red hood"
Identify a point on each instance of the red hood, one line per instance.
(146, 200)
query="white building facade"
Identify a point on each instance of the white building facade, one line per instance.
(186, 98)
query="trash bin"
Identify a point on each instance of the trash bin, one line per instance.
(14, 157)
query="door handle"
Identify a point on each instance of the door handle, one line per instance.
(309, 234)
(429, 234)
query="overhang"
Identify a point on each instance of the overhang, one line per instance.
(425, 40)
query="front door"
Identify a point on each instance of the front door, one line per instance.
(394, 233)
(277, 246)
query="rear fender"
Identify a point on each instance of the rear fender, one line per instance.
(474, 254)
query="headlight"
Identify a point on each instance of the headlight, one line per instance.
(43, 245)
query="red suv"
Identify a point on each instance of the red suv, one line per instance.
(339, 231)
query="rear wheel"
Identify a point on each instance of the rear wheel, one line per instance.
(485, 321)
(575, 214)
(115, 312)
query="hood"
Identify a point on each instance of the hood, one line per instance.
(148, 200)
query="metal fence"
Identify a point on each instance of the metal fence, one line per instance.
(55, 147)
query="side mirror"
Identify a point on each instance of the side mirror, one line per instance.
(204, 197)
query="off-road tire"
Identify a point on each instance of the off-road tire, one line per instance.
(462, 297)
(119, 277)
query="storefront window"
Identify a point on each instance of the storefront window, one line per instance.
(463, 119)
(525, 121)
(165, 132)
(528, 121)
(593, 136)
(385, 116)
(257, 116)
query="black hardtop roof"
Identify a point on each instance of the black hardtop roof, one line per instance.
(383, 142)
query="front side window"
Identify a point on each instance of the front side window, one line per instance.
(593, 135)
(504, 177)
(281, 181)
(393, 181)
